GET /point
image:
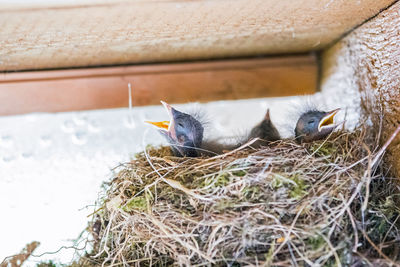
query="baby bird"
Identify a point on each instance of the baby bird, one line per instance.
(183, 132)
(315, 125)
(265, 131)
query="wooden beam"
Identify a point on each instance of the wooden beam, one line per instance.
(95, 88)
(64, 34)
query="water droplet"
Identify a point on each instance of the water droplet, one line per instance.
(79, 138)
(45, 140)
(129, 122)
(6, 141)
(68, 126)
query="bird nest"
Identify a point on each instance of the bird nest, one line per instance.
(325, 203)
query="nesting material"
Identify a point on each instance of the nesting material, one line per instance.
(326, 203)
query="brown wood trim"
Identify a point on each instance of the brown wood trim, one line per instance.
(95, 88)
(158, 68)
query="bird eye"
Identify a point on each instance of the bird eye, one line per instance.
(180, 124)
(311, 121)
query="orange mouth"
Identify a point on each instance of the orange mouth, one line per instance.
(328, 121)
(167, 126)
(160, 124)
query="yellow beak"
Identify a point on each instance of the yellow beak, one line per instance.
(164, 125)
(328, 120)
(160, 124)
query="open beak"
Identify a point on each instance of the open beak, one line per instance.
(328, 122)
(162, 125)
(165, 125)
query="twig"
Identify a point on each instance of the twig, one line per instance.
(377, 249)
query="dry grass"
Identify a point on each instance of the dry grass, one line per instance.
(19, 259)
(323, 204)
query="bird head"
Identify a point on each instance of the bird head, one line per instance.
(314, 125)
(183, 132)
(265, 130)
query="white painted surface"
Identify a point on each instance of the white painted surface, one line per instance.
(52, 165)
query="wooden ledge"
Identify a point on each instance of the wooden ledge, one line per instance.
(96, 88)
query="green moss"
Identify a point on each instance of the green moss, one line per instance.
(296, 186)
(138, 203)
(389, 206)
(300, 189)
(277, 181)
(239, 173)
(47, 264)
(323, 149)
(221, 180)
(252, 192)
(224, 204)
(316, 242)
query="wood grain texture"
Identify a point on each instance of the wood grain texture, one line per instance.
(65, 90)
(364, 68)
(125, 32)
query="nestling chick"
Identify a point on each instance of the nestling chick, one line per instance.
(315, 125)
(265, 131)
(183, 132)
